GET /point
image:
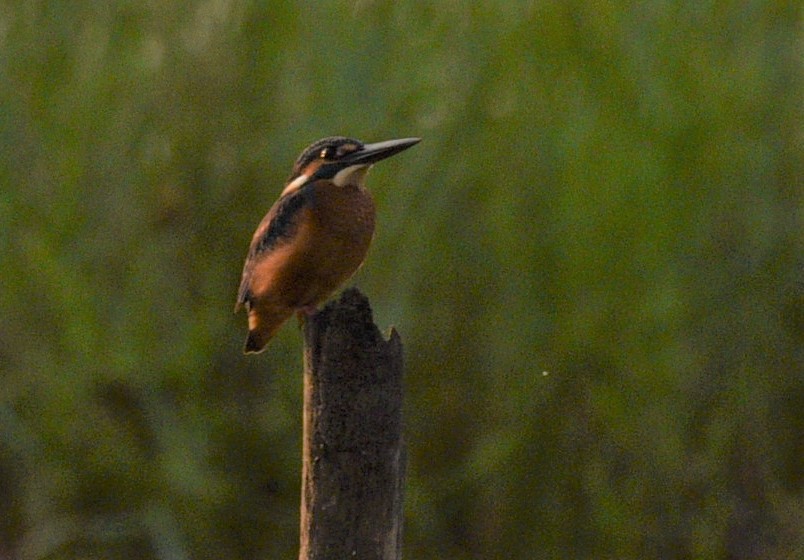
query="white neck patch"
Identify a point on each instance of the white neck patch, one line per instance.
(352, 175)
(295, 184)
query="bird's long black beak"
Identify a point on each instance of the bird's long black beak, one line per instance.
(372, 153)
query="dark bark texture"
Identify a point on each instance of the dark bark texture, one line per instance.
(353, 451)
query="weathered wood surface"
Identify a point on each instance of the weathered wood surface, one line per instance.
(353, 452)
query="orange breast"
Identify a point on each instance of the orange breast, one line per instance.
(329, 245)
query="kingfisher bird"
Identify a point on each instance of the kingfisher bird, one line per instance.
(314, 237)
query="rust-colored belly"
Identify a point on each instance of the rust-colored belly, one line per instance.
(329, 246)
(342, 227)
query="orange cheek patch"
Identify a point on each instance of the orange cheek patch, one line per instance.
(347, 149)
(302, 179)
(312, 167)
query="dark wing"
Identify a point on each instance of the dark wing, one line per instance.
(276, 228)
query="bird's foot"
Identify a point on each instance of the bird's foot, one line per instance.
(302, 313)
(307, 310)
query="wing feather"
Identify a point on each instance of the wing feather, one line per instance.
(275, 229)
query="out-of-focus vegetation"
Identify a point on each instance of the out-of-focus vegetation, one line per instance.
(594, 258)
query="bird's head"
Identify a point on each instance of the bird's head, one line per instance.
(341, 160)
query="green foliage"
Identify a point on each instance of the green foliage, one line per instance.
(594, 259)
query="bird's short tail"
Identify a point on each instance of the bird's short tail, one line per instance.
(255, 342)
(263, 325)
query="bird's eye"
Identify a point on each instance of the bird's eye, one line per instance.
(327, 153)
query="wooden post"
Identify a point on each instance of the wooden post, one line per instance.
(353, 454)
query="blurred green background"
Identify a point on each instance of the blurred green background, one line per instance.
(594, 258)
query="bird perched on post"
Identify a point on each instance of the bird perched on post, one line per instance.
(314, 237)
